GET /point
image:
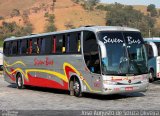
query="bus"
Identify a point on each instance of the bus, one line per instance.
(1, 59)
(90, 59)
(153, 51)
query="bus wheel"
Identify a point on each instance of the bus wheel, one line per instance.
(19, 81)
(77, 88)
(151, 78)
(71, 88)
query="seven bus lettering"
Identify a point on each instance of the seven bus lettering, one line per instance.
(132, 41)
(112, 40)
(45, 62)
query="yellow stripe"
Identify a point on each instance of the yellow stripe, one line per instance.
(59, 75)
(79, 74)
(17, 62)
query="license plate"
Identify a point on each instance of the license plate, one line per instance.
(129, 88)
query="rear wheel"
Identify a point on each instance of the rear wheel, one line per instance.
(19, 81)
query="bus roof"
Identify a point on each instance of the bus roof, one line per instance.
(89, 28)
(153, 39)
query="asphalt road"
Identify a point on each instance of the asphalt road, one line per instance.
(33, 98)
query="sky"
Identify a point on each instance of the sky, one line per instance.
(135, 2)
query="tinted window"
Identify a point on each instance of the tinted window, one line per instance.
(6, 48)
(14, 48)
(23, 48)
(91, 54)
(158, 47)
(149, 51)
(59, 44)
(74, 42)
(115, 53)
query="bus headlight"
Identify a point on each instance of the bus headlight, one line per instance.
(109, 82)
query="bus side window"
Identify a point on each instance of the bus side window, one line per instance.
(20, 47)
(54, 44)
(73, 42)
(6, 48)
(14, 48)
(48, 44)
(149, 51)
(10, 49)
(59, 44)
(39, 44)
(65, 47)
(42, 46)
(91, 54)
(29, 48)
(79, 43)
(24, 47)
(35, 48)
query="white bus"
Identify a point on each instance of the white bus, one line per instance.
(153, 50)
(96, 59)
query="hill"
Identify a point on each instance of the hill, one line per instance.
(65, 13)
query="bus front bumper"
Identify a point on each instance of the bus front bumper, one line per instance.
(115, 89)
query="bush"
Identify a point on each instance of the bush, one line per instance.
(12, 29)
(127, 16)
(1, 18)
(152, 9)
(50, 27)
(15, 12)
(89, 4)
(69, 25)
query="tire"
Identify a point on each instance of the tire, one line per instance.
(77, 88)
(71, 88)
(152, 78)
(19, 81)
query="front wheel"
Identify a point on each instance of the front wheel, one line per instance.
(19, 81)
(151, 78)
(75, 88)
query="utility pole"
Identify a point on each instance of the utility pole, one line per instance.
(149, 32)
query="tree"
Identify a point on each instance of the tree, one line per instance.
(69, 25)
(76, 1)
(159, 12)
(152, 9)
(127, 16)
(1, 17)
(15, 12)
(12, 29)
(50, 27)
(89, 4)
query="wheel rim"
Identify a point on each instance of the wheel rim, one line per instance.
(151, 75)
(76, 87)
(19, 81)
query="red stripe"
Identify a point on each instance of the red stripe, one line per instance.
(43, 82)
(54, 45)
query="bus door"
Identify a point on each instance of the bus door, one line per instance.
(92, 60)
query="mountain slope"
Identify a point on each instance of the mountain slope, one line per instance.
(65, 11)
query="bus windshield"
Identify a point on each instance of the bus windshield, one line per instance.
(124, 53)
